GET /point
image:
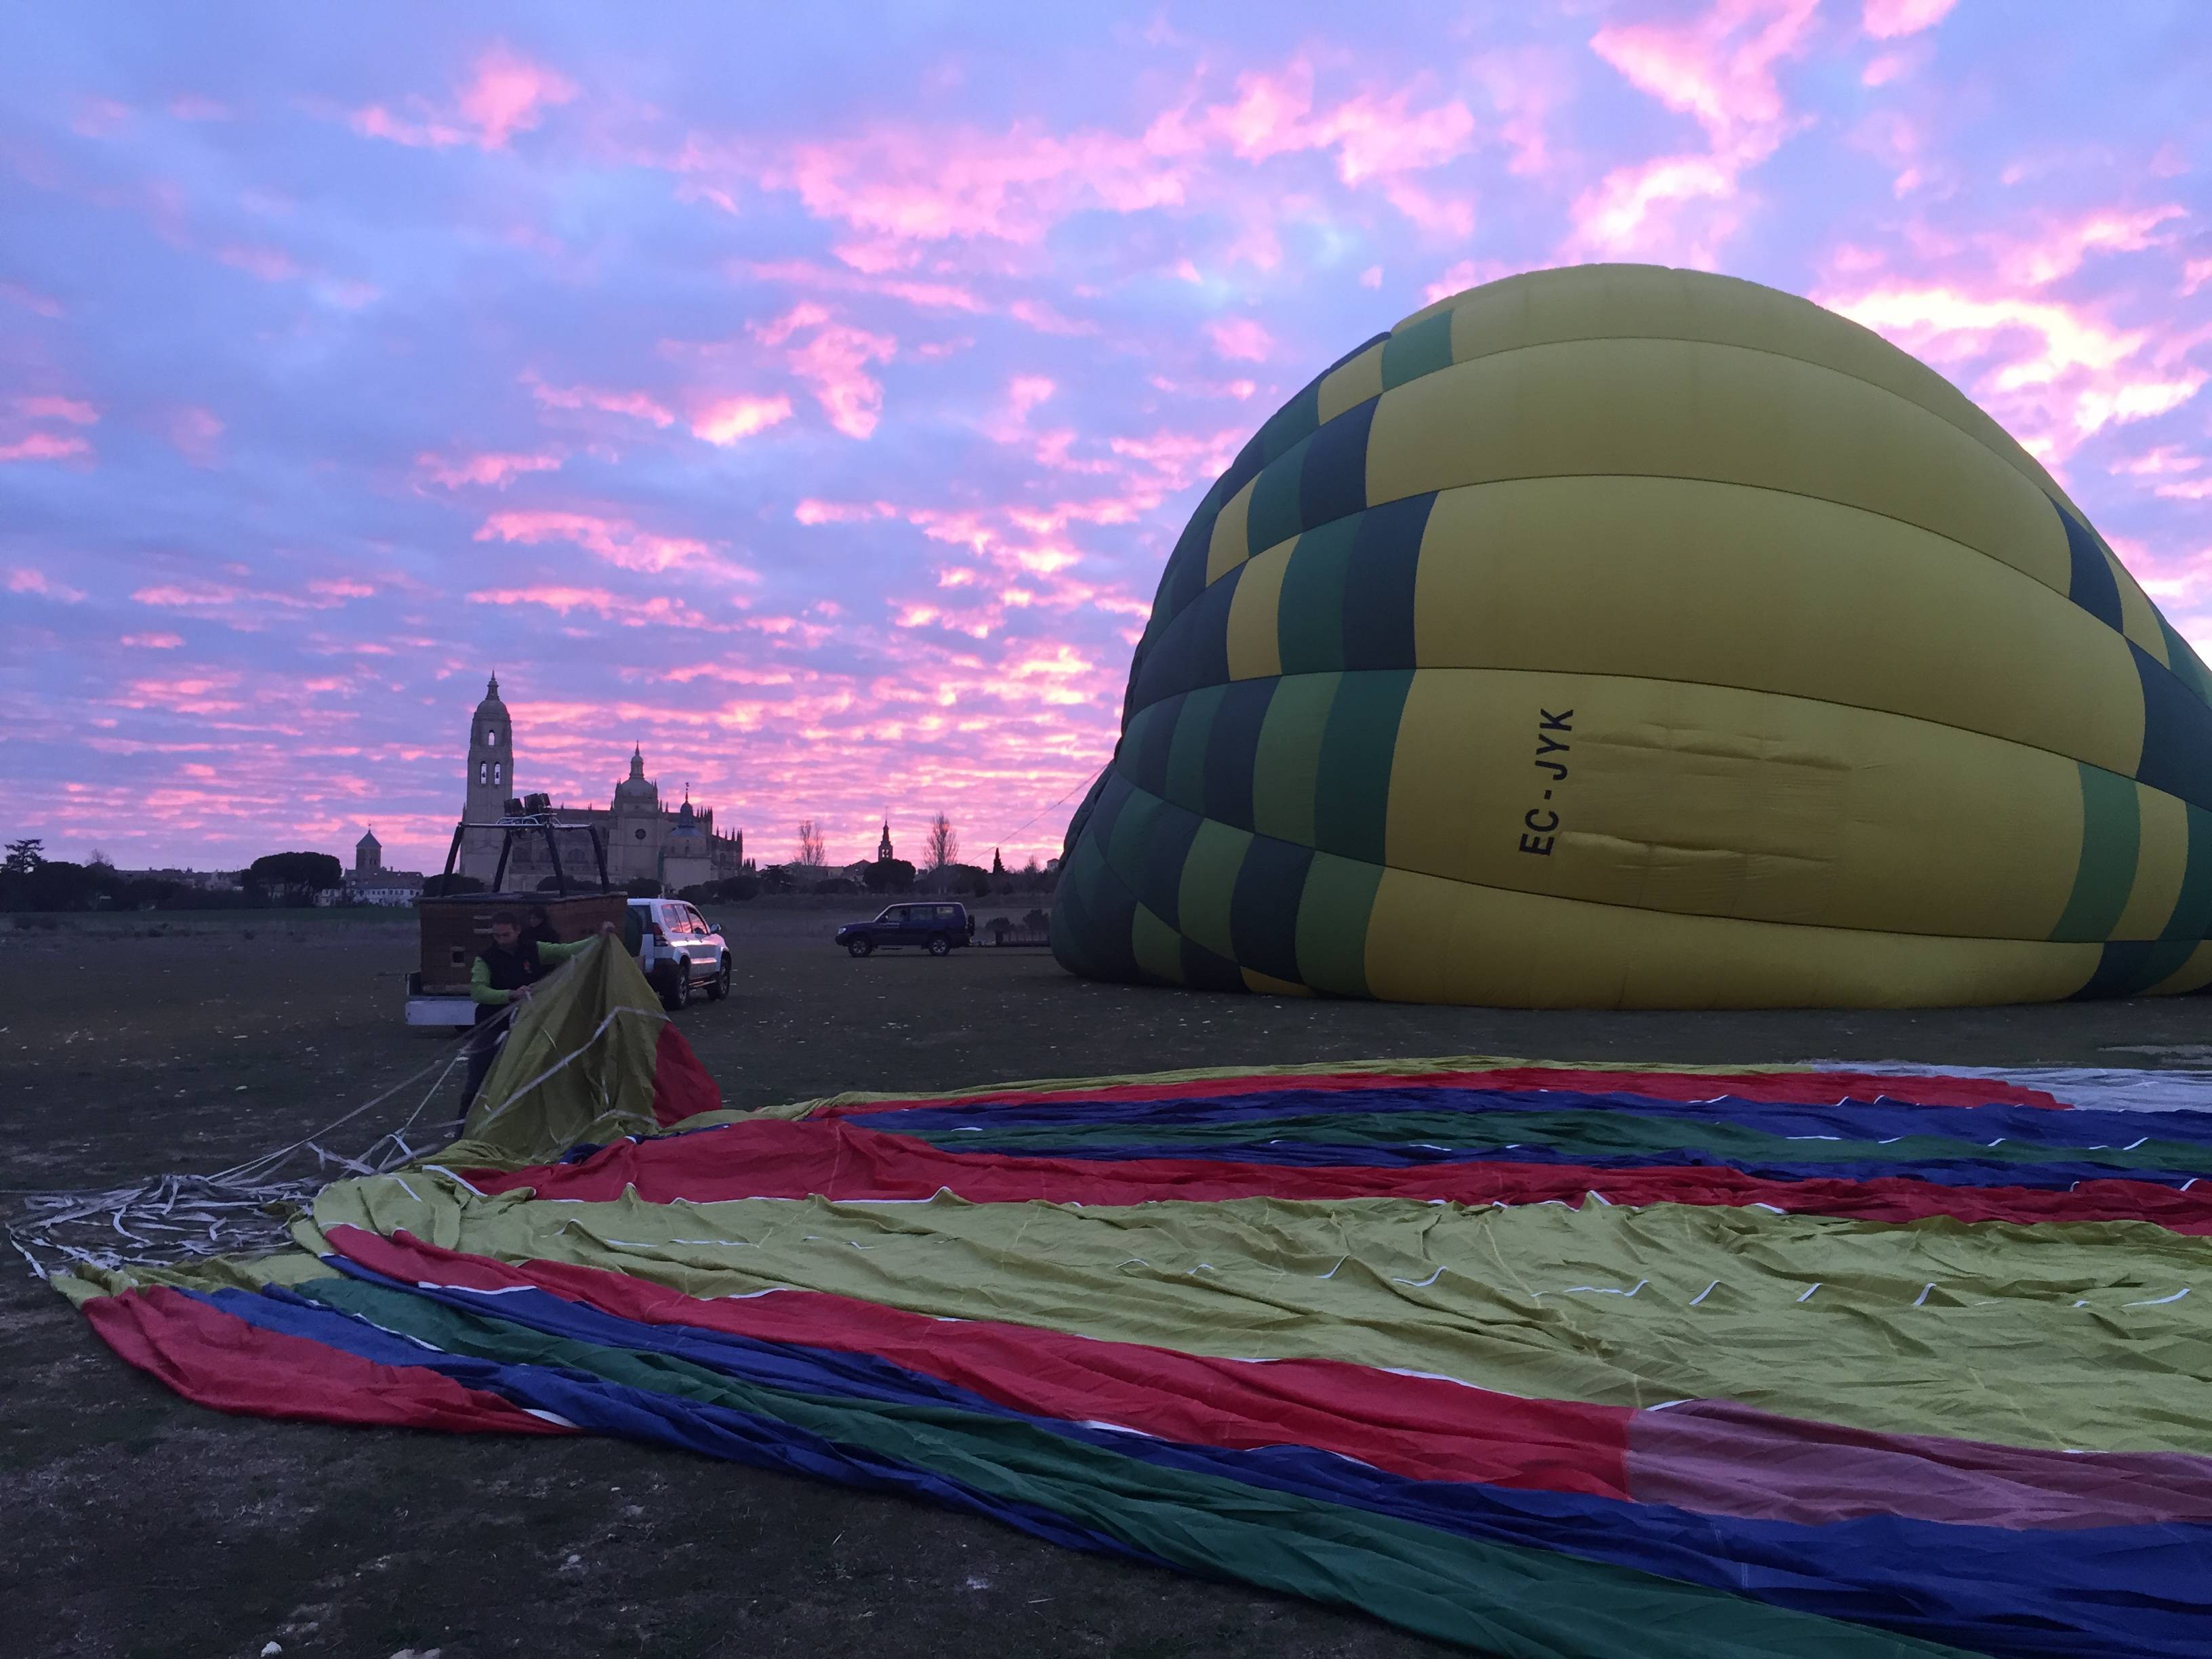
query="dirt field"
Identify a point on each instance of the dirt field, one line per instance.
(138, 1525)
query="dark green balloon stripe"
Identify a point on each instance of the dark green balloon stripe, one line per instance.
(1421, 349)
(2111, 834)
(1278, 906)
(1573, 1133)
(1352, 808)
(2192, 910)
(1310, 615)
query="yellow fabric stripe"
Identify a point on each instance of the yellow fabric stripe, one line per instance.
(1255, 650)
(1592, 303)
(2161, 860)
(1268, 987)
(1227, 550)
(1203, 902)
(1667, 409)
(1351, 384)
(1438, 941)
(1768, 592)
(1709, 801)
(1156, 946)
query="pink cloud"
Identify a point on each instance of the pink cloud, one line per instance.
(722, 423)
(2052, 373)
(2164, 459)
(834, 362)
(74, 410)
(506, 96)
(492, 468)
(1720, 71)
(660, 610)
(270, 265)
(1466, 273)
(1241, 339)
(22, 580)
(191, 106)
(810, 510)
(39, 304)
(96, 117)
(154, 642)
(2194, 275)
(44, 447)
(194, 431)
(2060, 250)
(617, 541)
(1887, 20)
(639, 405)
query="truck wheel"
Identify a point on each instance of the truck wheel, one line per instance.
(719, 987)
(938, 944)
(862, 946)
(676, 988)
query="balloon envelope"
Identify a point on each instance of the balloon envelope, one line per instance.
(1621, 636)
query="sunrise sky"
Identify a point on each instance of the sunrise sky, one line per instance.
(813, 393)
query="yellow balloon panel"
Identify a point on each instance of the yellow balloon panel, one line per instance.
(1638, 638)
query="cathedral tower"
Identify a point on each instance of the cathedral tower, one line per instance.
(491, 759)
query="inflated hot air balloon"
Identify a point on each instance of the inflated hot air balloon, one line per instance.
(1620, 636)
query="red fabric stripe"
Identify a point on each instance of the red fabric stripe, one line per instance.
(842, 1160)
(1785, 1088)
(681, 1087)
(1424, 1428)
(209, 1357)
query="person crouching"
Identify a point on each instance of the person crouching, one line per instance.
(505, 973)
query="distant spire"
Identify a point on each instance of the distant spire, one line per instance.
(491, 685)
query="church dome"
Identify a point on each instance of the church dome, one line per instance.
(636, 785)
(491, 704)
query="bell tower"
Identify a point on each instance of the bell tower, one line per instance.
(491, 758)
(490, 781)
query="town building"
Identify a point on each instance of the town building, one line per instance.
(677, 847)
(369, 883)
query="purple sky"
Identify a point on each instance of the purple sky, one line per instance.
(812, 395)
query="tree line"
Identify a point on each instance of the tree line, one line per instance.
(29, 880)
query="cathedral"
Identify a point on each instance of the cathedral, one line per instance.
(677, 847)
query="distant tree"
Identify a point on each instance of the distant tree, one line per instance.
(1032, 877)
(838, 884)
(642, 887)
(52, 884)
(943, 842)
(810, 854)
(100, 858)
(890, 876)
(997, 868)
(450, 886)
(969, 880)
(292, 879)
(735, 890)
(550, 885)
(25, 856)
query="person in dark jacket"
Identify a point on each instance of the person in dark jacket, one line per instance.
(505, 973)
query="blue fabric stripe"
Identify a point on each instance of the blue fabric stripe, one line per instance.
(2045, 1592)
(1855, 1120)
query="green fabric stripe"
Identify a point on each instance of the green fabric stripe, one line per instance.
(2182, 658)
(1274, 515)
(1351, 805)
(1209, 886)
(1500, 1599)
(1310, 615)
(1576, 1133)
(1421, 349)
(2192, 910)
(1332, 914)
(1186, 781)
(2048, 1335)
(1291, 425)
(1287, 764)
(2112, 833)
(1144, 746)
(1135, 833)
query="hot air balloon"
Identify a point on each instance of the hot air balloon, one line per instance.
(1627, 637)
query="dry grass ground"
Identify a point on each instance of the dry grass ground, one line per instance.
(137, 1524)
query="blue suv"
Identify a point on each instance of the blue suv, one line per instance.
(937, 928)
